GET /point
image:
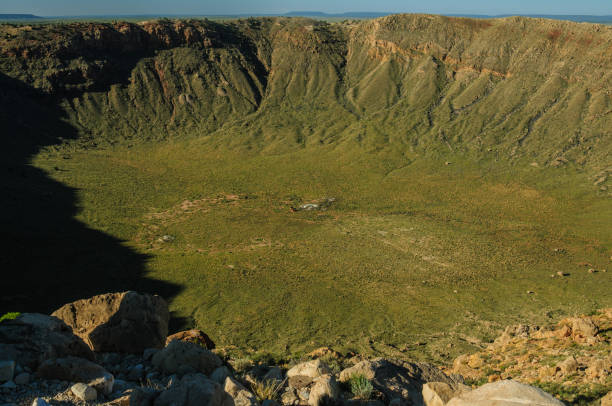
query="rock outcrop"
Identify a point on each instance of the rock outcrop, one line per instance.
(118, 322)
(33, 338)
(183, 357)
(399, 379)
(505, 393)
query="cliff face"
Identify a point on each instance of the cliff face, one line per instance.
(509, 87)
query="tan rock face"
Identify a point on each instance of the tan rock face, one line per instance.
(118, 322)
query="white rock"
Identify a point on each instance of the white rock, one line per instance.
(505, 393)
(311, 369)
(84, 392)
(7, 370)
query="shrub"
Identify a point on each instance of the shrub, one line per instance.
(267, 389)
(9, 316)
(360, 386)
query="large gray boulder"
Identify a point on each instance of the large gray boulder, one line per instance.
(399, 379)
(77, 370)
(505, 393)
(33, 338)
(118, 322)
(181, 355)
(194, 390)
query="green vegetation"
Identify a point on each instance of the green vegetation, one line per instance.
(581, 396)
(361, 387)
(465, 173)
(9, 316)
(268, 389)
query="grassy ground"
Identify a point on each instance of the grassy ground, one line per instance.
(415, 258)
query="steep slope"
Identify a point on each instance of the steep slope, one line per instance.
(500, 88)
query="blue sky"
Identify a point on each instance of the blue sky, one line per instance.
(202, 7)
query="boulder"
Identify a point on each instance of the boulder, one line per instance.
(7, 370)
(607, 400)
(439, 393)
(181, 354)
(77, 370)
(325, 391)
(136, 397)
(219, 374)
(33, 338)
(311, 369)
(240, 394)
(84, 392)
(194, 390)
(399, 379)
(505, 393)
(193, 336)
(118, 322)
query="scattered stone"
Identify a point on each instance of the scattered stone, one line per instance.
(33, 338)
(325, 391)
(562, 274)
(84, 392)
(166, 238)
(118, 322)
(181, 353)
(569, 365)
(311, 369)
(7, 370)
(194, 390)
(504, 393)
(193, 336)
(22, 379)
(78, 370)
(240, 394)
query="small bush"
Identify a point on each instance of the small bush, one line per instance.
(268, 389)
(9, 316)
(360, 386)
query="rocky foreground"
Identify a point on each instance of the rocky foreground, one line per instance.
(114, 349)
